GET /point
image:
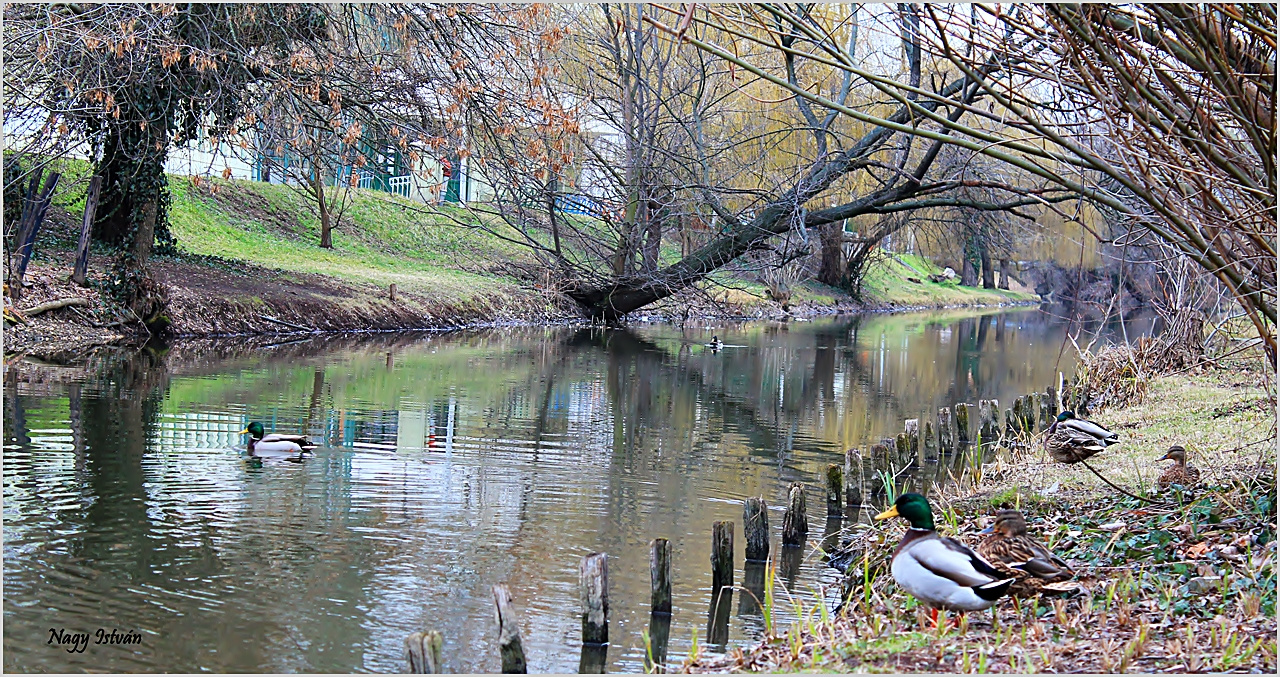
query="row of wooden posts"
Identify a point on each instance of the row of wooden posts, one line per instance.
(423, 649)
(952, 434)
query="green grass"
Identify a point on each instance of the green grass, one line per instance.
(886, 282)
(383, 239)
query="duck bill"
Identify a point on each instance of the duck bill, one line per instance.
(1163, 458)
(891, 512)
(988, 530)
(243, 432)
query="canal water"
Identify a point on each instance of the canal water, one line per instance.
(449, 463)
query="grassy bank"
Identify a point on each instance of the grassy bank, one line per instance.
(1186, 584)
(248, 255)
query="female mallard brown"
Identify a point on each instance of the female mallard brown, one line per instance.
(1071, 439)
(1012, 551)
(941, 572)
(1179, 473)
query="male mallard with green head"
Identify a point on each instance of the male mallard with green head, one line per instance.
(1179, 473)
(941, 572)
(1071, 439)
(275, 445)
(1012, 551)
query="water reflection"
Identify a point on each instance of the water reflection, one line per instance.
(451, 463)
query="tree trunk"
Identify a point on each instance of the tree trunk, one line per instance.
(832, 270)
(1004, 273)
(988, 272)
(326, 223)
(968, 274)
(653, 236)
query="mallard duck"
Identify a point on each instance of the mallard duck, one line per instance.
(1009, 548)
(1071, 439)
(1178, 473)
(941, 572)
(275, 445)
(715, 343)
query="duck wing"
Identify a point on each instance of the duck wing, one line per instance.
(300, 440)
(950, 559)
(1092, 430)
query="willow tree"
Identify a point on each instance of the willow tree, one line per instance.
(1163, 115)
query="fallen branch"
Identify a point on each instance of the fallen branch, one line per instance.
(291, 325)
(54, 305)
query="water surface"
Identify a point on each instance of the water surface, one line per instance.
(451, 463)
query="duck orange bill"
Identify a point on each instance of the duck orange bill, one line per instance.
(243, 432)
(891, 512)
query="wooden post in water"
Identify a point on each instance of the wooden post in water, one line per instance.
(660, 576)
(963, 410)
(1046, 409)
(81, 269)
(508, 632)
(391, 293)
(929, 442)
(1051, 396)
(422, 651)
(795, 523)
(755, 528)
(1033, 411)
(1015, 417)
(902, 449)
(1010, 422)
(912, 428)
(987, 421)
(853, 477)
(835, 489)
(946, 431)
(594, 586)
(721, 555)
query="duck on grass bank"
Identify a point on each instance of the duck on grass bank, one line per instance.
(275, 445)
(1072, 440)
(941, 572)
(1179, 473)
(1009, 548)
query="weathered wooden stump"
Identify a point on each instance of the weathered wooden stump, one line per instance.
(795, 523)
(1015, 417)
(912, 428)
(987, 432)
(853, 477)
(422, 650)
(835, 489)
(1033, 411)
(391, 293)
(660, 576)
(508, 632)
(881, 450)
(946, 431)
(1051, 395)
(1046, 409)
(755, 528)
(963, 410)
(81, 269)
(721, 554)
(929, 442)
(902, 449)
(594, 586)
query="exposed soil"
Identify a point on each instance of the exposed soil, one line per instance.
(222, 298)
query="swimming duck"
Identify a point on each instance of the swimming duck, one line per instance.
(941, 572)
(1071, 439)
(275, 445)
(1009, 548)
(1178, 473)
(715, 343)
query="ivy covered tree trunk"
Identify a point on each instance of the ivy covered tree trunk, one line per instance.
(968, 272)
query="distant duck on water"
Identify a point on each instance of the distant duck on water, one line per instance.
(715, 344)
(275, 445)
